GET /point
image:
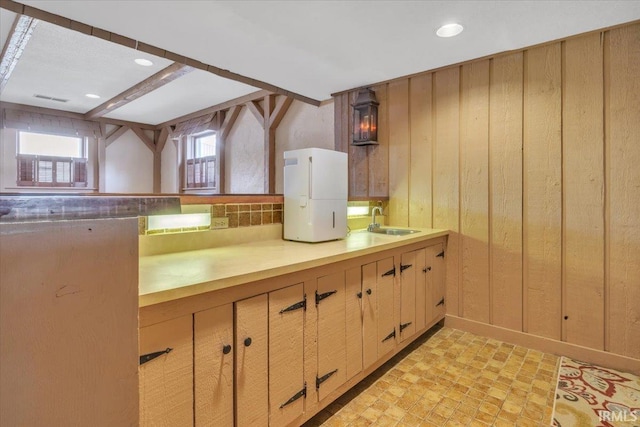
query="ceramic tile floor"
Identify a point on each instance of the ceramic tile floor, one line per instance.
(451, 378)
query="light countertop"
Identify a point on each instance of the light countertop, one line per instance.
(183, 274)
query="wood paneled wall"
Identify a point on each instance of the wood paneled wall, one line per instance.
(532, 160)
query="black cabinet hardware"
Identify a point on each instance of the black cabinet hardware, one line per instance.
(391, 272)
(147, 357)
(226, 349)
(296, 306)
(441, 302)
(247, 342)
(369, 291)
(296, 396)
(404, 267)
(403, 326)
(391, 335)
(441, 254)
(320, 297)
(359, 294)
(424, 270)
(320, 380)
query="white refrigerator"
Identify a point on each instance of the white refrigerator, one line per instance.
(315, 195)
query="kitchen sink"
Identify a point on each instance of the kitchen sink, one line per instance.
(393, 231)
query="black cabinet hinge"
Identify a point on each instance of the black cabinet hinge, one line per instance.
(298, 395)
(404, 326)
(391, 335)
(296, 306)
(320, 297)
(320, 380)
(147, 357)
(404, 267)
(441, 302)
(391, 272)
(441, 254)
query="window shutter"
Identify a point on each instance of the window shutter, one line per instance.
(26, 170)
(80, 172)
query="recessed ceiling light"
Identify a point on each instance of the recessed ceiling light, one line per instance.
(92, 96)
(144, 62)
(449, 30)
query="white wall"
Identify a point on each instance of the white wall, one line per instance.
(244, 156)
(169, 169)
(129, 166)
(304, 126)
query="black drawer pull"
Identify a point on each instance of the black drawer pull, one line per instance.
(226, 349)
(369, 291)
(247, 342)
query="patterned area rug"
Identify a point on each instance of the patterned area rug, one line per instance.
(591, 396)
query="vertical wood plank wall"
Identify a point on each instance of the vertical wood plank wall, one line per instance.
(531, 160)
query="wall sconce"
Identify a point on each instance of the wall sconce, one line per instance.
(365, 118)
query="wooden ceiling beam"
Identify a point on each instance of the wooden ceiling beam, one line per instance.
(282, 106)
(115, 134)
(218, 107)
(138, 45)
(159, 79)
(257, 111)
(229, 120)
(19, 36)
(144, 138)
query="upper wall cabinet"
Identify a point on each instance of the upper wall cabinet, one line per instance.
(368, 164)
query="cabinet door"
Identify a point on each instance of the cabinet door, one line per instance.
(435, 256)
(252, 404)
(166, 381)
(332, 358)
(286, 345)
(213, 366)
(408, 274)
(387, 330)
(354, 318)
(422, 304)
(369, 314)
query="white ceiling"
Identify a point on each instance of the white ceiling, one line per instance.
(313, 48)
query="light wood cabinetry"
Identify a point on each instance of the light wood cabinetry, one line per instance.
(276, 351)
(166, 373)
(385, 306)
(214, 348)
(286, 346)
(410, 274)
(422, 289)
(252, 362)
(330, 301)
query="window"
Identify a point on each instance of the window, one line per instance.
(51, 160)
(201, 161)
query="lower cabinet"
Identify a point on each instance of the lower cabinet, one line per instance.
(330, 300)
(166, 373)
(286, 359)
(214, 348)
(252, 361)
(243, 363)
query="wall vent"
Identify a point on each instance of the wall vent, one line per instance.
(50, 98)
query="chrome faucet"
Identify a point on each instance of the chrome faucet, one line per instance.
(374, 225)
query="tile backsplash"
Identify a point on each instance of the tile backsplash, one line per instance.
(237, 214)
(248, 214)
